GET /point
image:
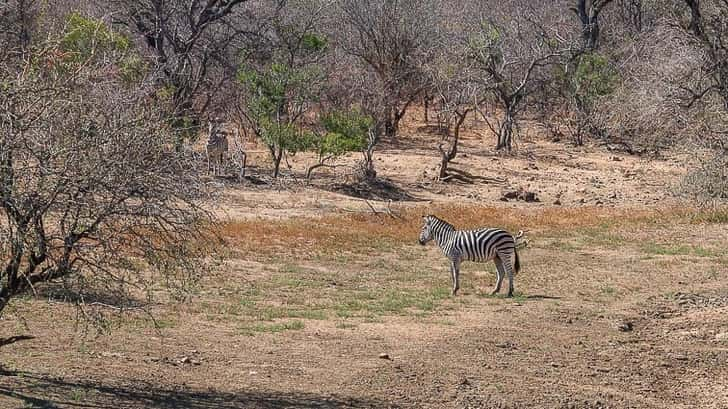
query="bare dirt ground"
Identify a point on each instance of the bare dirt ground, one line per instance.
(321, 303)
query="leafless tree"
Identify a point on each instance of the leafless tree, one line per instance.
(709, 26)
(510, 54)
(455, 87)
(588, 12)
(696, 19)
(89, 183)
(391, 39)
(18, 19)
(187, 39)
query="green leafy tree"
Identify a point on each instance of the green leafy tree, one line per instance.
(344, 132)
(281, 93)
(87, 39)
(279, 96)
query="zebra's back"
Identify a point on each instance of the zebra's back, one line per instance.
(482, 245)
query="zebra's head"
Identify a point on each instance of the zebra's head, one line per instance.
(426, 232)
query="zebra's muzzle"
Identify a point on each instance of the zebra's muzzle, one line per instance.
(422, 242)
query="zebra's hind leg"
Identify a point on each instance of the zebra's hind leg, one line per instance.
(455, 274)
(500, 274)
(508, 264)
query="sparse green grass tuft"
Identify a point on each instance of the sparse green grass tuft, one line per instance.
(77, 395)
(346, 325)
(271, 328)
(402, 301)
(608, 290)
(269, 313)
(680, 250)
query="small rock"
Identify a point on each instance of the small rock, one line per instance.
(384, 356)
(528, 197)
(616, 158)
(722, 336)
(185, 360)
(554, 364)
(557, 202)
(625, 326)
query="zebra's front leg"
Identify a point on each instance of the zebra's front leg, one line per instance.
(500, 272)
(455, 274)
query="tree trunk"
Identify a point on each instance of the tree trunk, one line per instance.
(696, 24)
(394, 116)
(427, 100)
(277, 157)
(591, 34)
(449, 155)
(4, 299)
(505, 133)
(589, 17)
(367, 166)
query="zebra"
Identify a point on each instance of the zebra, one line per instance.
(217, 147)
(481, 245)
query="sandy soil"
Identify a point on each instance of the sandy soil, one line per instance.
(622, 316)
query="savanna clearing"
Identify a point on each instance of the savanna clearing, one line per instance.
(615, 307)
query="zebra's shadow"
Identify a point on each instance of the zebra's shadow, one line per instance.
(516, 296)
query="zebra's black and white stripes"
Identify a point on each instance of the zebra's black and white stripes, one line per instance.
(479, 245)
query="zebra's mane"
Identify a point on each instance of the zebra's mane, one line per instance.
(441, 222)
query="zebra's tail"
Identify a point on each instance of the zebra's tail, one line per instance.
(517, 263)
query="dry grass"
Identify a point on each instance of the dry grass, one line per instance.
(328, 294)
(356, 266)
(312, 237)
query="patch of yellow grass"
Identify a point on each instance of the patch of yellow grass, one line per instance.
(370, 230)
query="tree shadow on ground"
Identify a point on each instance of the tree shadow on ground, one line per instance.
(88, 294)
(14, 339)
(379, 189)
(45, 391)
(541, 297)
